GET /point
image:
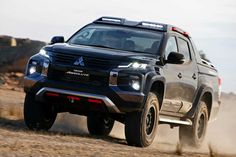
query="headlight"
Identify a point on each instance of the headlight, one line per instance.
(44, 53)
(39, 64)
(32, 69)
(36, 68)
(134, 65)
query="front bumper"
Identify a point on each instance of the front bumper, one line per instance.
(109, 104)
(115, 99)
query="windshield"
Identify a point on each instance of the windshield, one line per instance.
(118, 37)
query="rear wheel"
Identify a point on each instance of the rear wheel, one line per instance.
(140, 127)
(99, 124)
(38, 116)
(194, 135)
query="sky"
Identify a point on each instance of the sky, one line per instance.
(211, 23)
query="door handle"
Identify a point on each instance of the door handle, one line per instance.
(179, 75)
(194, 76)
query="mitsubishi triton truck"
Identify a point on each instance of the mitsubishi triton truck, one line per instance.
(138, 73)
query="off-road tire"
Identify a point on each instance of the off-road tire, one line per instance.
(140, 127)
(194, 135)
(38, 116)
(99, 125)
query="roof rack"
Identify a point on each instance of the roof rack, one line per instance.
(152, 25)
(110, 20)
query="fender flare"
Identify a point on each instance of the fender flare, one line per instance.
(151, 78)
(198, 97)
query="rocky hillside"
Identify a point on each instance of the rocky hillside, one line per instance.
(14, 52)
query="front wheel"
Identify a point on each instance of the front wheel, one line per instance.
(38, 116)
(140, 127)
(99, 125)
(195, 134)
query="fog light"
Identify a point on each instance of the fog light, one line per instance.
(32, 70)
(135, 85)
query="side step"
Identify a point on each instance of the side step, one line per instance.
(172, 120)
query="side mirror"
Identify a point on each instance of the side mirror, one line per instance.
(175, 58)
(57, 39)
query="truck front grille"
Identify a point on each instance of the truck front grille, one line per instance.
(89, 62)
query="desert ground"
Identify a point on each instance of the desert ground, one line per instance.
(69, 135)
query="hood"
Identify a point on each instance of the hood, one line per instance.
(103, 53)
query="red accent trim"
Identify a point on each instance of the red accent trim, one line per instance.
(186, 34)
(219, 81)
(174, 29)
(52, 94)
(73, 98)
(95, 101)
(180, 31)
(177, 30)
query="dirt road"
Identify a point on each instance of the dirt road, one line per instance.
(69, 136)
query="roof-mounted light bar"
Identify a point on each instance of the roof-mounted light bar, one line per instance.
(122, 21)
(152, 25)
(113, 20)
(178, 30)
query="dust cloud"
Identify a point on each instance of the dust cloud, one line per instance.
(70, 124)
(222, 132)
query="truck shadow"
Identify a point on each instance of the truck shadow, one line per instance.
(12, 125)
(19, 126)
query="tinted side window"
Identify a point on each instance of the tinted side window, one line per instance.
(171, 46)
(184, 48)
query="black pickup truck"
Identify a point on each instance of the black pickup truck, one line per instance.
(138, 73)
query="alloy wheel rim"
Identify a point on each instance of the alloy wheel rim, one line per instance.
(201, 126)
(150, 120)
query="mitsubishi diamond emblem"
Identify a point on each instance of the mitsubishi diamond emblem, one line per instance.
(79, 61)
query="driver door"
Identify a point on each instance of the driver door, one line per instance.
(173, 73)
